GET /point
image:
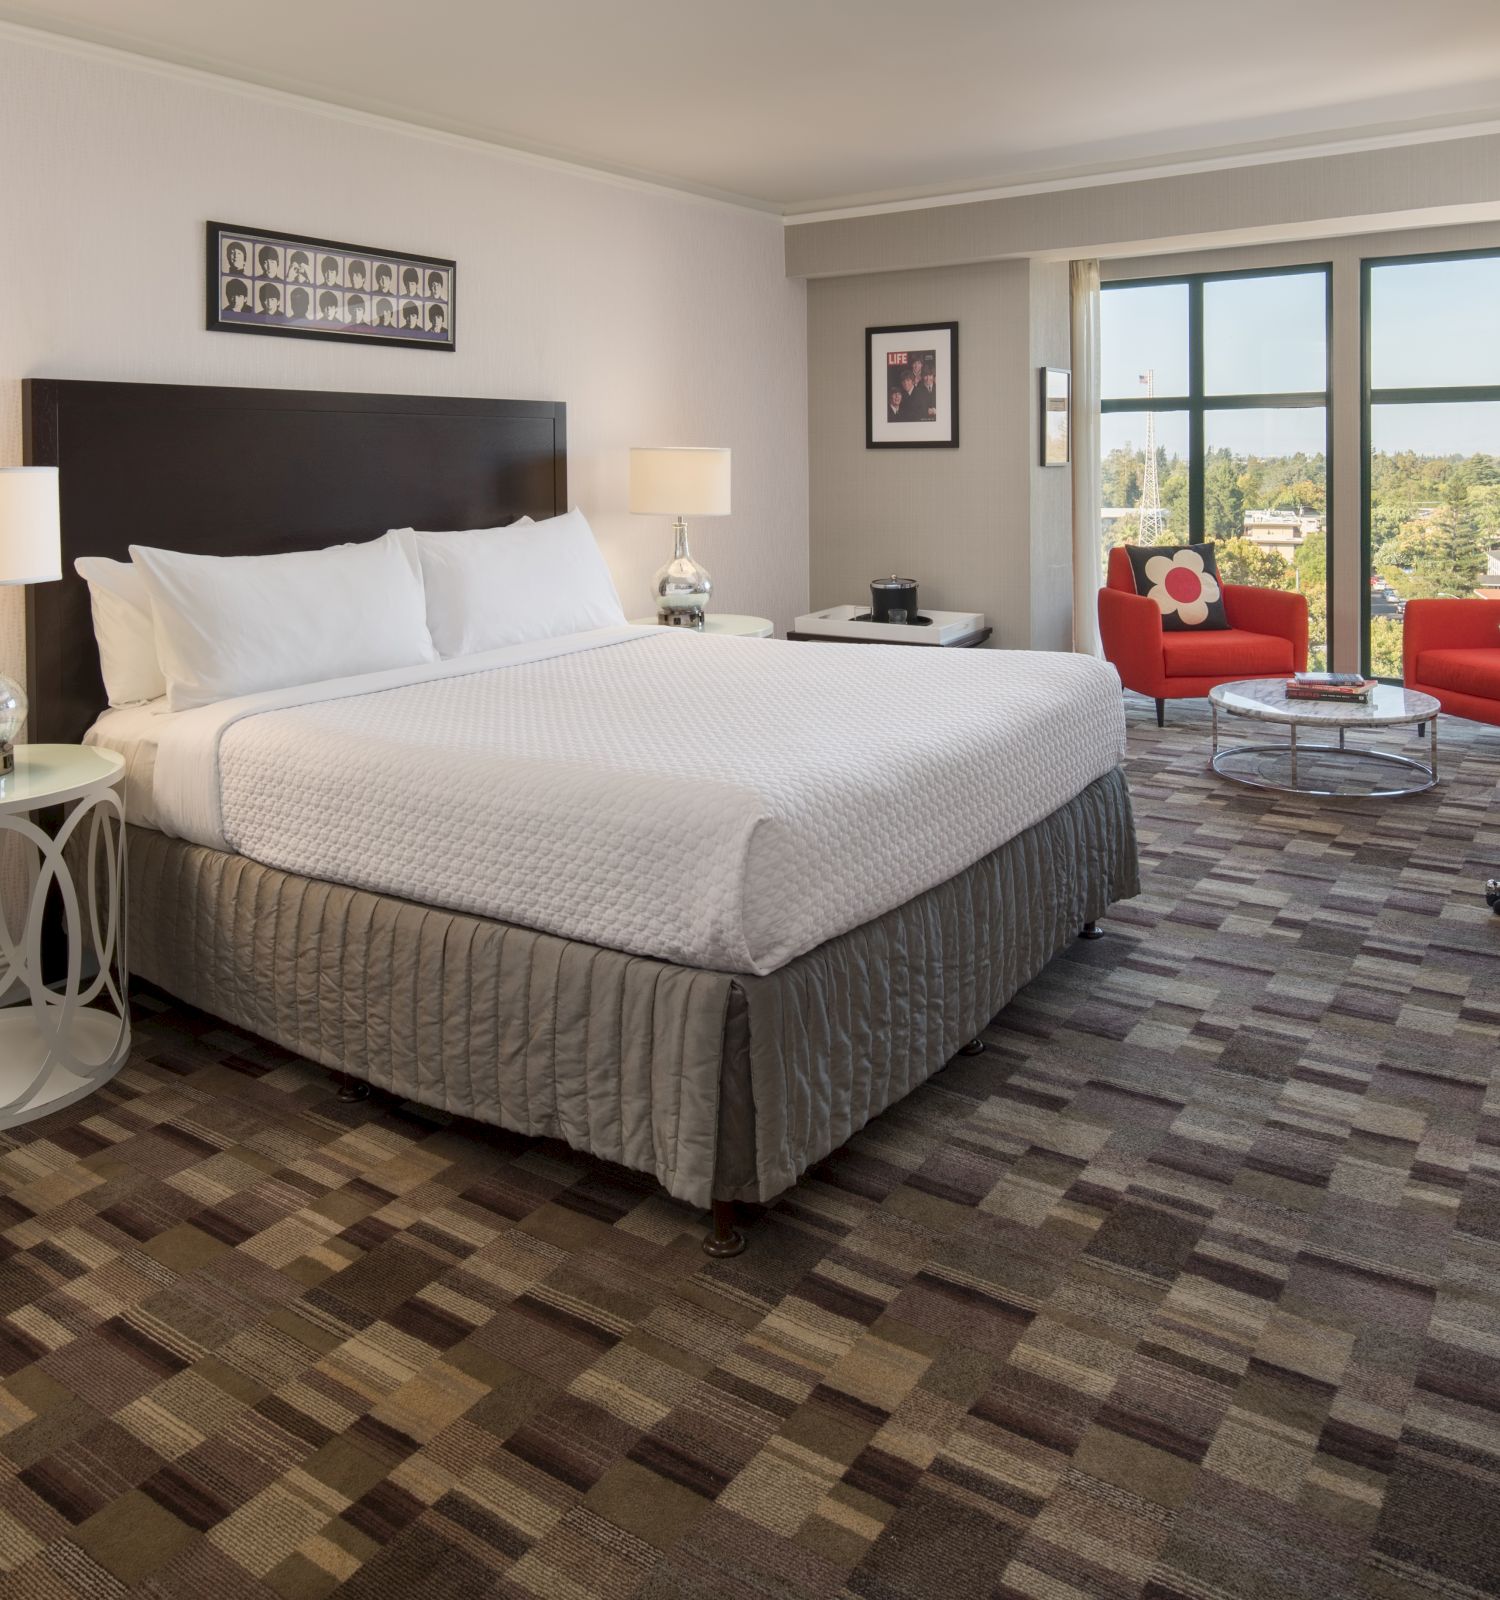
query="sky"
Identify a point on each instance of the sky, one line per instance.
(1247, 433)
(1433, 322)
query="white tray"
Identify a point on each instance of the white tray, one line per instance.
(837, 622)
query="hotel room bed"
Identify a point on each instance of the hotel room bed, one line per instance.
(700, 906)
(657, 821)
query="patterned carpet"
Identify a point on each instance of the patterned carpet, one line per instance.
(1188, 1289)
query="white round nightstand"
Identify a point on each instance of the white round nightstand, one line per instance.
(61, 1044)
(721, 622)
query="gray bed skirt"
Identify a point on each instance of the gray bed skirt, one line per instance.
(721, 1085)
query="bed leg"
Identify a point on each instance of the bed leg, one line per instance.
(975, 1047)
(1091, 930)
(351, 1089)
(726, 1239)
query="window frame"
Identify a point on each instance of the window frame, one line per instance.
(1197, 404)
(1370, 397)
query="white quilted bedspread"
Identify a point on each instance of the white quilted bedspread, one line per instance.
(722, 803)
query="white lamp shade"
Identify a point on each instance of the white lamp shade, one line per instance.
(30, 528)
(680, 482)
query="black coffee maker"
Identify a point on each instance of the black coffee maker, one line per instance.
(894, 600)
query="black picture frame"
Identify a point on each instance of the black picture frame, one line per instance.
(885, 429)
(1055, 400)
(265, 285)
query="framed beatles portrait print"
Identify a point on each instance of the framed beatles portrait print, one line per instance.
(301, 288)
(1056, 394)
(911, 386)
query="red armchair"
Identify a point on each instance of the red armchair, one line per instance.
(1451, 650)
(1266, 638)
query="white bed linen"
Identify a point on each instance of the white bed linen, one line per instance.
(718, 802)
(132, 732)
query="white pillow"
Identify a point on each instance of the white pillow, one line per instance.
(233, 625)
(488, 587)
(123, 630)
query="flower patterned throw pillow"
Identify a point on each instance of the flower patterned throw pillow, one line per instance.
(1183, 580)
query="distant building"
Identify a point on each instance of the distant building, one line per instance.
(1489, 584)
(1284, 532)
(1112, 516)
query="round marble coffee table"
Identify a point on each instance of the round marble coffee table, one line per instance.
(1302, 767)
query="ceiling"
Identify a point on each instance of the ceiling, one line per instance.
(800, 105)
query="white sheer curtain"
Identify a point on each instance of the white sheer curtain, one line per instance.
(1083, 282)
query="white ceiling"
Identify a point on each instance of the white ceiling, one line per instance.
(801, 105)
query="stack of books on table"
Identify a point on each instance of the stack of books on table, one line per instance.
(1348, 688)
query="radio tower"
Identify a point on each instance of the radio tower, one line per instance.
(1151, 512)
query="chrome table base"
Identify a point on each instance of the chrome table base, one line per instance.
(1425, 774)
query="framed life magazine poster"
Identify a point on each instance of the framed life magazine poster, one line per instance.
(911, 386)
(301, 288)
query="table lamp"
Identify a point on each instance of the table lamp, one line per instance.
(678, 483)
(30, 552)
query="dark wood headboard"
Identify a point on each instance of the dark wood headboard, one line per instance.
(252, 472)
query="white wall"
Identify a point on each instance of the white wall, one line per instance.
(658, 318)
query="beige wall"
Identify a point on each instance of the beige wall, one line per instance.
(1442, 181)
(943, 517)
(982, 528)
(659, 318)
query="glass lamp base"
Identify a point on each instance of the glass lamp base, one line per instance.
(12, 719)
(682, 587)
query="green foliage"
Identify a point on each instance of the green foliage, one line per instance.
(1240, 561)
(1304, 497)
(1452, 558)
(1174, 497)
(1123, 471)
(1312, 561)
(1385, 647)
(1401, 549)
(1316, 595)
(1386, 522)
(1223, 499)
(1433, 520)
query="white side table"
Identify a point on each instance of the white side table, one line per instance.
(721, 622)
(62, 1043)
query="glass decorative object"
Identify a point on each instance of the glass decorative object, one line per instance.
(13, 709)
(682, 586)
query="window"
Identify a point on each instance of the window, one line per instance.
(1215, 425)
(1432, 435)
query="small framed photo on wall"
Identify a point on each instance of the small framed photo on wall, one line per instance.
(301, 288)
(911, 386)
(1056, 386)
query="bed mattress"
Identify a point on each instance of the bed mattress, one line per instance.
(715, 802)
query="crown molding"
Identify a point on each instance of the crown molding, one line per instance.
(1223, 162)
(624, 177)
(533, 155)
